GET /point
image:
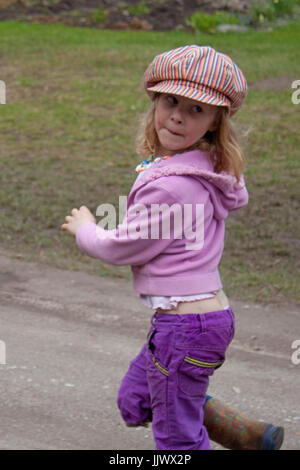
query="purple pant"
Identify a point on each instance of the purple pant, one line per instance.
(167, 382)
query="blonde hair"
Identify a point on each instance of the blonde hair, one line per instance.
(222, 143)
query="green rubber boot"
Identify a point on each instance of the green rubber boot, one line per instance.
(237, 432)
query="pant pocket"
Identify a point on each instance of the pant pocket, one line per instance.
(194, 373)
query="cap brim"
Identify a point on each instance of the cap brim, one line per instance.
(202, 93)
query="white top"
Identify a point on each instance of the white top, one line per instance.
(169, 302)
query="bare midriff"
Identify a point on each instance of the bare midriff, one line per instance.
(213, 304)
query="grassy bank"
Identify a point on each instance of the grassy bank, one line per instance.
(74, 97)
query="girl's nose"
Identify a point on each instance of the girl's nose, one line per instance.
(177, 116)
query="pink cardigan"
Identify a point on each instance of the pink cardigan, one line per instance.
(171, 265)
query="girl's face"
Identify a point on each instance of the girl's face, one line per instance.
(180, 122)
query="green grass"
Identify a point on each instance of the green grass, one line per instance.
(74, 98)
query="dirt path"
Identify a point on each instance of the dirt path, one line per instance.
(69, 337)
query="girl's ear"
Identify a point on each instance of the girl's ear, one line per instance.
(213, 127)
(216, 123)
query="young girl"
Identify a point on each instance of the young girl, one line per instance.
(173, 237)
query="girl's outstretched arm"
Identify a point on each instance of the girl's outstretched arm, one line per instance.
(131, 242)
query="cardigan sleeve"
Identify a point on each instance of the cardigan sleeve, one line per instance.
(136, 240)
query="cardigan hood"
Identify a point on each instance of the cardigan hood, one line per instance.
(227, 194)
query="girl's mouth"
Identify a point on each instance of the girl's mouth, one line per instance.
(174, 133)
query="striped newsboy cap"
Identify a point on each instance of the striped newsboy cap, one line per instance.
(199, 73)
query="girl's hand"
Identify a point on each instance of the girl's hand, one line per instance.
(78, 218)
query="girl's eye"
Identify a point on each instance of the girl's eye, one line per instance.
(171, 99)
(197, 109)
